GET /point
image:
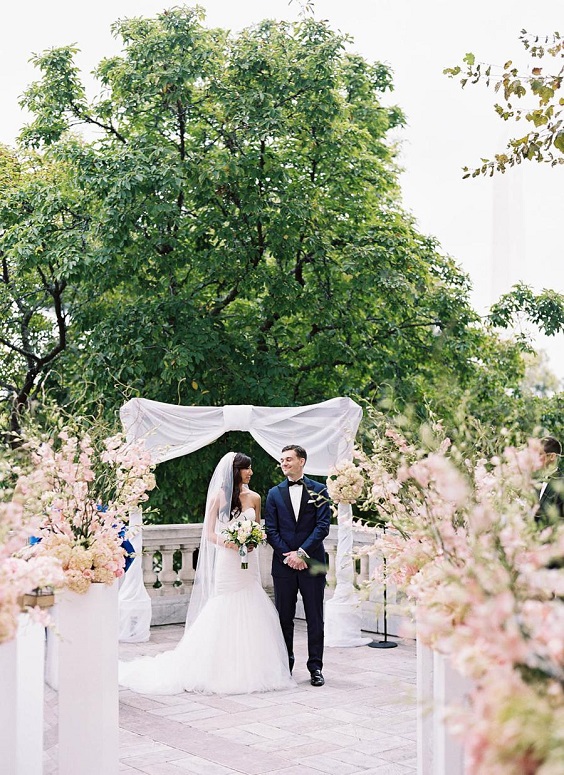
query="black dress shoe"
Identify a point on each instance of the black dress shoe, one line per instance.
(317, 678)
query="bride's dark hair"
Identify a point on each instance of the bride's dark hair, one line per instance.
(239, 461)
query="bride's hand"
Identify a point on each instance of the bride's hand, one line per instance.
(230, 545)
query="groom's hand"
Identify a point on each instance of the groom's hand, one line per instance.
(294, 561)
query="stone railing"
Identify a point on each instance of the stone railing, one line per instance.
(169, 561)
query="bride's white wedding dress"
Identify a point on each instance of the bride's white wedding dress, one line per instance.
(234, 646)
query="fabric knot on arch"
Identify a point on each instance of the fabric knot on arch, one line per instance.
(237, 417)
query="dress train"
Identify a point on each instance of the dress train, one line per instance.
(235, 645)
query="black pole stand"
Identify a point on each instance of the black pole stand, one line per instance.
(384, 644)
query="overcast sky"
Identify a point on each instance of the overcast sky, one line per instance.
(501, 230)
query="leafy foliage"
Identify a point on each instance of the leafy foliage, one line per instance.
(544, 140)
(545, 308)
(41, 232)
(238, 235)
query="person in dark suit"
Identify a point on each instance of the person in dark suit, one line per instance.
(551, 501)
(297, 519)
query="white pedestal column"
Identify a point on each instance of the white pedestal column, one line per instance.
(31, 694)
(343, 617)
(425, 710)
(449, 687)
(88, 682)
(52, 648)
(8, 705)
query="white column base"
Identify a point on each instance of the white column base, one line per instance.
(449, 687)
(438, 686)
(31, 694)
(8, 705)
(88, 682)
(425, 710)
(52, 650)
(343, 621)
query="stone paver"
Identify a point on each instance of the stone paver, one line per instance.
(362, 722)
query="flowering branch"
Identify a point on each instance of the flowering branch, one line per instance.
(487, 587)
(83, 494)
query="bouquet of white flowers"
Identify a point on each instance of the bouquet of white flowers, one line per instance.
(245, 533)
(345, 482)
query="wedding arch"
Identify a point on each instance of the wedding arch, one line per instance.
(327, 430)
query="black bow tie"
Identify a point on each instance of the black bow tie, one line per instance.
(298, 481)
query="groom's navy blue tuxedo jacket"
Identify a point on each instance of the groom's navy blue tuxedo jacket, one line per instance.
(551, 507)
(286, 533)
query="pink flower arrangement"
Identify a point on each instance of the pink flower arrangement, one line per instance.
(486, 587)
(18, 576)
(84, 497)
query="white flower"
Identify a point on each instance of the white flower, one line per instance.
(345, 482)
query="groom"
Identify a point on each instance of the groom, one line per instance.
(297, 518)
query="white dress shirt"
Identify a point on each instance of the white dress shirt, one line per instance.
(296, 498)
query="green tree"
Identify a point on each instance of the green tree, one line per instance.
(244, 238)
(245, 217)
(41, 230)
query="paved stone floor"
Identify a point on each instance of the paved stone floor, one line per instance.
(362, 720)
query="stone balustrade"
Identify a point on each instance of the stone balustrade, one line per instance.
(169, 562)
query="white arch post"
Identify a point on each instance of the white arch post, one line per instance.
(343, 617)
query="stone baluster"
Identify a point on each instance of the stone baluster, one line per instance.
(374, 562)
(149, 575)
(187, 573)
(364, 569)
(167, 576)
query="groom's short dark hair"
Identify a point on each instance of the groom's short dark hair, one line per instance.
(551, 445)
(300, 451)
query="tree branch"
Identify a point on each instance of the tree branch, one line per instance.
(8, 387)
(224, 302)
(87, 119)
(25, 353)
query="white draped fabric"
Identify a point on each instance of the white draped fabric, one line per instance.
(134, 600)
(327, 430)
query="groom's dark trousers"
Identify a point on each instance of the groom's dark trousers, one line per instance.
(285, 534)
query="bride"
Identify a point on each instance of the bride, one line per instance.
(232, 643)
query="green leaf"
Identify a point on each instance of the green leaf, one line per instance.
(559, 142)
